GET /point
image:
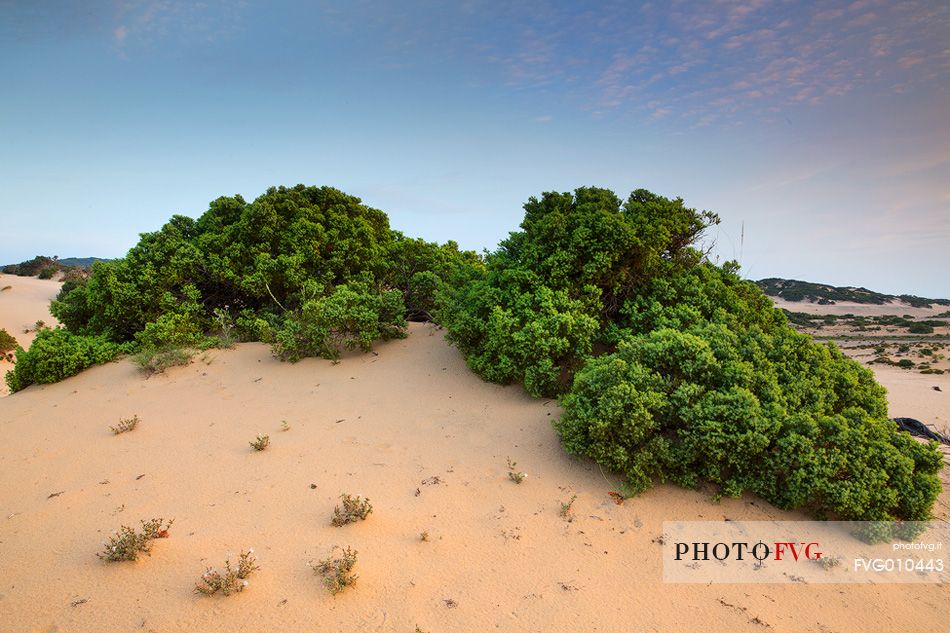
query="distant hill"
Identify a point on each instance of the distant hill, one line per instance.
(45, 267)
(823, 294)
(81, 262)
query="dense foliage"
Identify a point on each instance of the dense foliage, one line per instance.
(311, 270)
(56, 354)
(7, 342)
(672, 368)
(351, 317)
(668, 367)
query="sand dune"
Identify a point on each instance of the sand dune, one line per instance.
(21, 305)
(24, 302)
(427, 442)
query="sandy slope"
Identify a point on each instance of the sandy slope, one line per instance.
(26, 301)
(21, 305)
(380, 426)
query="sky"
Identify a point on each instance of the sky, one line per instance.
(818, 131)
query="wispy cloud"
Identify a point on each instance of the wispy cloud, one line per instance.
(157, 21)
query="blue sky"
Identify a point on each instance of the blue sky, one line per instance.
(822, 128)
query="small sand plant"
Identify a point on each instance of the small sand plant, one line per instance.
(337, 572)
(354, 509)
(232, 580)
(828, 562)
(124, 426)
(226, 337)
(424, 536)
(567, 509)
(514, 474)
(155, 361)
(284, 426)
(260, 442)
(126, 544)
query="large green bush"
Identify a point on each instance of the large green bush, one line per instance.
(257, 261)
(57, 354)
(311, 269)
(672, 368)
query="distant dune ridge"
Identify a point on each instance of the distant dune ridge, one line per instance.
(823, 294)
(38, 264)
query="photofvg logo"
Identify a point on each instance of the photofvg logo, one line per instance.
(742, 550)
(805, 551)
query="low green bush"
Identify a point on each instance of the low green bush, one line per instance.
(799, 424)
(152, 360)
(7, 342)
(57, 354)
(353, 316)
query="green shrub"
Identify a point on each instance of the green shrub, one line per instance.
(126, 544)
(354, 509)
(154, 361)
(906, 363)
(48, 272)
(262, 259)
(353, 316)
(57, 354)
(920, 328)
(713, 405)
(310, 269)
(522, 331)
(233, 580)
(337, 572)
(7, 342)
(672, 368)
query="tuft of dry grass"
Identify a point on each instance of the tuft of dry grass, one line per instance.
(232, 580)
(354, 509)
(126, 544)
(124, 426)
(260, 442)
(514, 474)
(155, 361)
(567, 509)
(337, 572)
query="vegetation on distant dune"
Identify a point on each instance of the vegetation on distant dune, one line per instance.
(823, 294)
(672, 368)
(45, 267)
